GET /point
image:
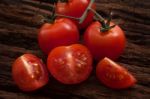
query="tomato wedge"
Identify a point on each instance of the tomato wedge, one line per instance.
(113, 75)
(29, 72)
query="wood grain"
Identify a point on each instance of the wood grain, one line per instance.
(19, 23)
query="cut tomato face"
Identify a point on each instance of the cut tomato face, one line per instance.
(70, 64)
(29, 72)
(113, 75)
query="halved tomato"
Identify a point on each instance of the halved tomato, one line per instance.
(70, 64)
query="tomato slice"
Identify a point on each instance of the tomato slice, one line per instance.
(29, 72)
(113, 75)
(70, 64)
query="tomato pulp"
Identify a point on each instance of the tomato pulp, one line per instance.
(70, 64)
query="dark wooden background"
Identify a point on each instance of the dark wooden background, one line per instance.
(19, 24)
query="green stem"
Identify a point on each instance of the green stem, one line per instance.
(82, 18)
(101, 19)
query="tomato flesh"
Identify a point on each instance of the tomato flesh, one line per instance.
(70, 64)
(29, 73)
(113, 75)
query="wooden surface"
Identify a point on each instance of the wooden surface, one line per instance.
(19, 24)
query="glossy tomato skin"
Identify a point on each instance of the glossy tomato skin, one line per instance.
(109, 44)
(113, 75)
(62, 32)
(29, 73)
(76, 8)
(70, 64)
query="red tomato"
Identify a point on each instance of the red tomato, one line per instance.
(113, 75)
(62, 32)
(70, 64)
(104, 44)
(29, 73)
(76, 8)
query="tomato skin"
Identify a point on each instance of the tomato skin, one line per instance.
(70, 64)
(76, 8)
(109, 44)
(29, 73)
(62, 32)
(113, 75)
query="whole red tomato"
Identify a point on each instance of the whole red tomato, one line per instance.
(70, 64)
(76, 8)
(109, 44)
(29, 72)
(62, 32)
(113, 75)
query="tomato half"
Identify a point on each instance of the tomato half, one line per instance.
(109, 44)
(113, 75)
(76, 8)
(62, 32)
(70, 64)
(29, 72)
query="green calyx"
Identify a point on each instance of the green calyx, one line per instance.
(105, 25)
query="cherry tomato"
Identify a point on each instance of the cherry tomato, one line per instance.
(62, 32)
(29, 73)
(70, 64)
(76, 8)
(113, 75)
(109, 44)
